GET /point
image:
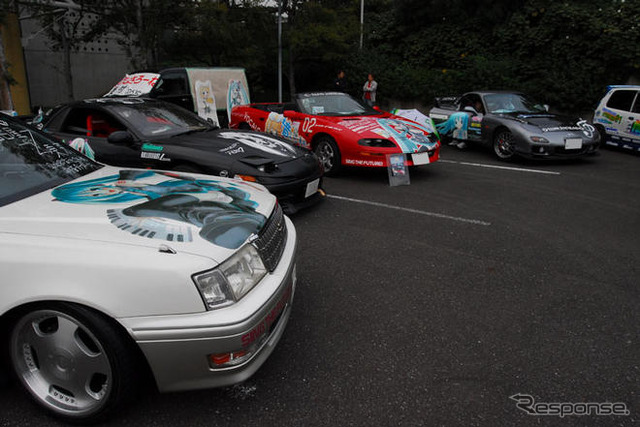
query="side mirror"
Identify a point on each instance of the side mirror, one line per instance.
(470, 109)
(290, 114)
(375, 107)
(120, 137)
(546, 107)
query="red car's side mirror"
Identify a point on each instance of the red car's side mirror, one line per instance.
(375, 107)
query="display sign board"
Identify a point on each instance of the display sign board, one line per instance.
(134, 85)
(398, 170)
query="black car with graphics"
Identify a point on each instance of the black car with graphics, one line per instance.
(147, 133)
(513, 125)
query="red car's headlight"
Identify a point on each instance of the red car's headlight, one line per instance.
(376, 142)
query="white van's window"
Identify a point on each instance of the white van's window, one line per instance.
(621, 99)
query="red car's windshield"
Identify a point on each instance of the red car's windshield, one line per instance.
(333, 104)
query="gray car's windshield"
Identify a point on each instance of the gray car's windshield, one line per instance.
(31, 162)
(333, 104)
(160, 119)
(504, 103)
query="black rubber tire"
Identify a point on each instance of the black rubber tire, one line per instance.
(244, 126)
(74, 362)
(603, 135)
(503, 145)
(328, 153)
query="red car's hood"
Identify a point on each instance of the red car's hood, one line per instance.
(411, 137)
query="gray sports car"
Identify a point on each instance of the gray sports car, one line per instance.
(513, 125)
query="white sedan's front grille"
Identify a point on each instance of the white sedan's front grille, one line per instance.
(272, 239)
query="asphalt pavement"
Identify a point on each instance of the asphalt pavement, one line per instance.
(437, 302)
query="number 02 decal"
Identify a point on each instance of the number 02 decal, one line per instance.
(309, 123)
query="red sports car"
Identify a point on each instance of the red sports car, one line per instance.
(341, 130)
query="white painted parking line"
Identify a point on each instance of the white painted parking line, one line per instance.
(482, 165)
(415, 211)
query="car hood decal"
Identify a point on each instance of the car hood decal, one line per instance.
(410, 137)
(190, 212)
(231, 145)
(555, 123)
(263, 144)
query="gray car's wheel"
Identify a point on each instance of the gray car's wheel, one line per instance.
(73, 361)
(504, 145)
(329, 154)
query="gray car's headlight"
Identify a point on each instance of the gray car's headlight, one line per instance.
(539, 139)
(232, 279)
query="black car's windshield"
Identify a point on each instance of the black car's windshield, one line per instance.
(333, 104)
(503, 103)
(31, 162)
(160, 119)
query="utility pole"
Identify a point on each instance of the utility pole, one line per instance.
(361, 22)
(280, 51)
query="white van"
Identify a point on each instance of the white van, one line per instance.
(618, 117)
(209, 92)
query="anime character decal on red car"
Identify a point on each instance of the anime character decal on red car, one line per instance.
(341, 130)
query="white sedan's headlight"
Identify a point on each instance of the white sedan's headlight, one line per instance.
(232, 279)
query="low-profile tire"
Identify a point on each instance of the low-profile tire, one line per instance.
(504, 145)
(74, 362)
(603, 136)
(329, 155)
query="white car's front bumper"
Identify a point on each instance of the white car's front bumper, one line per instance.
(179, 349)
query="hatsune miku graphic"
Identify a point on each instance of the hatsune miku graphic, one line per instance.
(174, 206)
(236, 94)
(411, 138)
(82, 145)
(457, 124)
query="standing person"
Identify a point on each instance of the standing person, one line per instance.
(369, 89)
(340, 83)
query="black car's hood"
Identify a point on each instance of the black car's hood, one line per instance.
(248, 152)
(249, 147)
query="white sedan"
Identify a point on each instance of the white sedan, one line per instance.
(111, 273)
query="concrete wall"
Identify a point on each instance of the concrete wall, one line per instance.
(96, 67)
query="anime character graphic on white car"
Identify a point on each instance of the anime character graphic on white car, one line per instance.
(110, 274)
(618, 117)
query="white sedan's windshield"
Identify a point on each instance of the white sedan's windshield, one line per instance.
(333, 104)
(31, 162)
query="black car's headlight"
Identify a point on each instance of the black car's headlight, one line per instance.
(376, 142)
(232, 279)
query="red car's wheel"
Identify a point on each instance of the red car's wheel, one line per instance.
(329, 154)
